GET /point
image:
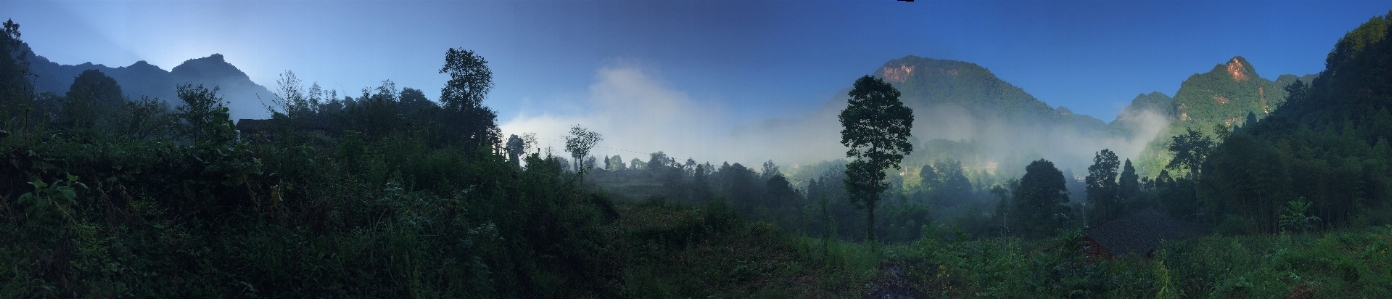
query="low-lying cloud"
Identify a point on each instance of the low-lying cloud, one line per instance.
(638, 114)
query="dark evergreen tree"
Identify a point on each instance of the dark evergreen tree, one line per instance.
(876, 127)
(1128, 188)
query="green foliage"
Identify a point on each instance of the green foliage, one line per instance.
(1190, 149)
(1295, 218)
(1039, 201)
(1324, 145)
(91, 95)
(579, 143)
(204, 116)
(1102, 189)
(876, 127)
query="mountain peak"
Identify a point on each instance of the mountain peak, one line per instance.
(1239, 69)
(211, 67)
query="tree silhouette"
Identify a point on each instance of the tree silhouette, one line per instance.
(1190, 149)
(1128, 185)
(579, 143)
(515, 147)
(876, 127)
(470, 81)
(91, 96)
(204, 115)
(1039, 200)
(1102, 188)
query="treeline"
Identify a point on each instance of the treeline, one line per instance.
(383, 196)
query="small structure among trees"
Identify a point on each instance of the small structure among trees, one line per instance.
(1138, 234)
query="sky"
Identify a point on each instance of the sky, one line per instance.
(717, 65)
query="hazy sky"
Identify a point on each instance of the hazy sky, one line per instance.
(745, 60)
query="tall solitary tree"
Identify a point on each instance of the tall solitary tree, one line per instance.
(876, 127)
(470, 81)
(579, 143)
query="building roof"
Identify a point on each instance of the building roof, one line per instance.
(1141, 232)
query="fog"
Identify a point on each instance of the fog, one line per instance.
(638, 114)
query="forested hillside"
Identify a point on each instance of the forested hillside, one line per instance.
(1327, 145)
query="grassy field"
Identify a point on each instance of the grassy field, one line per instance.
(677, 251)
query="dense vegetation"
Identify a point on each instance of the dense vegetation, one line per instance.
(1327, 145)
(390, 194)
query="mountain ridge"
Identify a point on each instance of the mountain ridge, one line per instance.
(244, 97)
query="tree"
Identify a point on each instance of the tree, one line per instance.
(1190, 149)
(1128, 186)
(15, 85)
(1003, 205)
(928, 178)
(1039, 200)
(470, 81)
(1102, 188)
(291, 98)
(779, 191)
(91, 96)
(204, 115)
(616, 163)
(952, 186)
(659, 161)
(515, 147)
(413, 100)
(769, 170)
(579, 143)
(876, 127)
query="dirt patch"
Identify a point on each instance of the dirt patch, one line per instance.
(897, 284)
(1221, 100)
(1235, 69)
(1301, 291)
(899, 74)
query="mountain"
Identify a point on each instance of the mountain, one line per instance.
(1328, 146)
(927, 82)
(1224, 95)
(244, 98)
(964, 112)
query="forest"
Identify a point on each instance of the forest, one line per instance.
(387, 193)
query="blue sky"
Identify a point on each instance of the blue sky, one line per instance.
(750, 60)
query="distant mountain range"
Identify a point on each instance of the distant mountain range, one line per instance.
(1224, 95)
(244, 98)
(953, 100)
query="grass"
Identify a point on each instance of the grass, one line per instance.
(679, 251)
